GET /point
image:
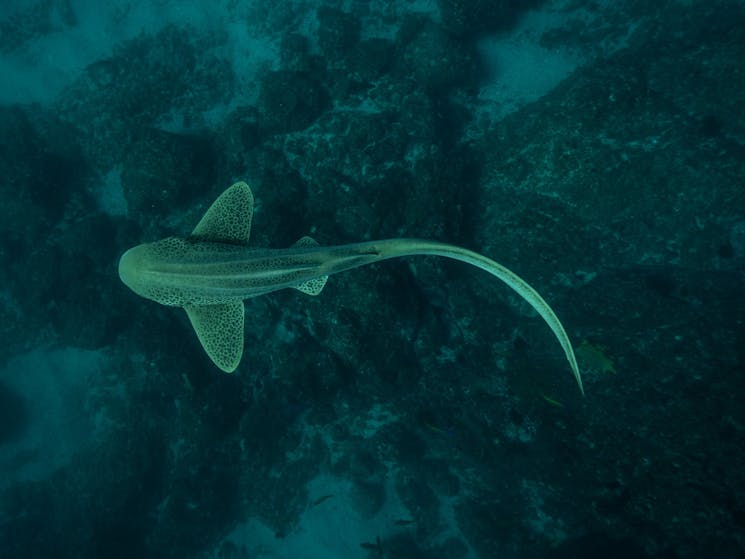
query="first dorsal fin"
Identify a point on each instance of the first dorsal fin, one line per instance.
(228, 220)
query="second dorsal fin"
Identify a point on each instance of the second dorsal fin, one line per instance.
(306, 242)
(228, 219)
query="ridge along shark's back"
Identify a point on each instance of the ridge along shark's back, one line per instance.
(212, 271)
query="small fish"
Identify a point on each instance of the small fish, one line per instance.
(435, 429)
(552, 401)
(377, 546)
(319, 500)
(594, 358)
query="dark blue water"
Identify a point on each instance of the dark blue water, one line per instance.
(416, 408)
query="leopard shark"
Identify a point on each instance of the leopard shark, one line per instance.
(212, 271)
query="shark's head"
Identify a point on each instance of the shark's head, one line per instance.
(139, 267)
(132, 264)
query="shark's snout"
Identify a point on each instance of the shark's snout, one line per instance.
(129, 268)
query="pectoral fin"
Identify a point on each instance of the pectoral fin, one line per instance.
(220, 330)
(228, 220)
